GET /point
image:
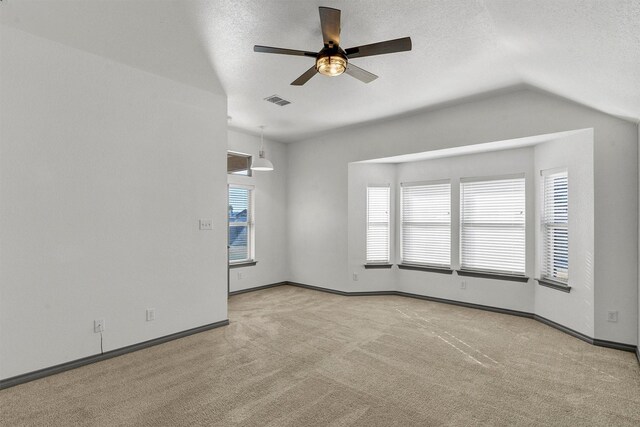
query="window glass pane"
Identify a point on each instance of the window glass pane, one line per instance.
(378, 226)
(426, 224)
(555, 227)
(492, 231)
(238, 243)
(238, 164)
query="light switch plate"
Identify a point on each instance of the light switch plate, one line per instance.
(206, 224)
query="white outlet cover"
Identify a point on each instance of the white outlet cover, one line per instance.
(98, 325)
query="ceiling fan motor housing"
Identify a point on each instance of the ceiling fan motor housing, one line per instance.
(331, 61)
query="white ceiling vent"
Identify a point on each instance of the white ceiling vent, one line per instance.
(277, 100)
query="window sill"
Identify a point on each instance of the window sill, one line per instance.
(492, 275)
(559, 286)
(243, 264)
(368, 266)
(429, 268)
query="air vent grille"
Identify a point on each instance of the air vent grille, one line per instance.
(275, 99)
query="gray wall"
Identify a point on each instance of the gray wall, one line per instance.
(105, 172)
(318, 194)
(575, 309)
(574, 152)
(498, 293)
(270, 222)
(362, 175)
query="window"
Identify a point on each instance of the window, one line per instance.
(240, 224)
(378, 224)
(238, 163)
(426, 224)
(492, 225)
(555, 226)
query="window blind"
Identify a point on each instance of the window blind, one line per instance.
(492, 230)
(240, 224)
(555, 226)
(426, 224)
(378, 224)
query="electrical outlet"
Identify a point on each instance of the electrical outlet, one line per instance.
(612, 316)
(151, 314)
(463, 284)
(98, 326)
(355, 277)
(240, 275)
(206, 224)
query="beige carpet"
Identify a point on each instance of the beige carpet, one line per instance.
(299, 357)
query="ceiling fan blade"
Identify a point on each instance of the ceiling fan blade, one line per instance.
(389, 46)
(305, 77)
(360, 74)
(330, 24)
(282, 51)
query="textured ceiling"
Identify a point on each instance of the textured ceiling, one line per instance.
(587, 51)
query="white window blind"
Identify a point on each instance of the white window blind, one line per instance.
(378, 224)
(240, 224)
(492, 225)
(426, 224)
(555, 226)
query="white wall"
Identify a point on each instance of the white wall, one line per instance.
(104, 172)
(361, 175)
(575, 309)
(270, 214)
(318, 196)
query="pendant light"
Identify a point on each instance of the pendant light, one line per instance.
(261, 163)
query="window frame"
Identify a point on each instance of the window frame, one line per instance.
(506, 272)
(249, 158)
(369, 262)
(250, 224)
(425, 265)
(546, 226)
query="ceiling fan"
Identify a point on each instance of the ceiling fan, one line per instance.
(332, 60)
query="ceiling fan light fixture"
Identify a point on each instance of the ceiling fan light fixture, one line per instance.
(331, 65)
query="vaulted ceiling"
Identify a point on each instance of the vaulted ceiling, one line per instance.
(584, 50)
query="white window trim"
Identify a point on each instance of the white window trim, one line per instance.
(404, 185)
(544, 226)
(389, 227)
(250, 224)
(462, 224)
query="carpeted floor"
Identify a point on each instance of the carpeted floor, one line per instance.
(299, 357)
